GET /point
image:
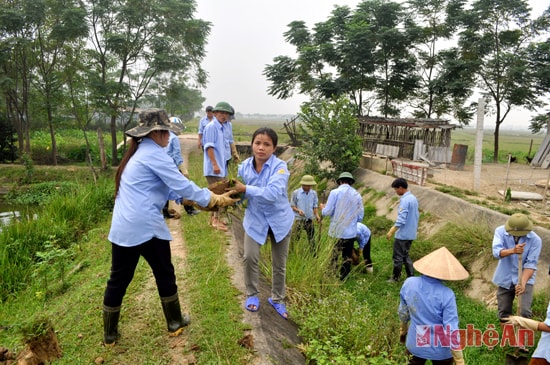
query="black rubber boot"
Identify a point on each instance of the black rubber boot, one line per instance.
(110, 324)
(172, 312)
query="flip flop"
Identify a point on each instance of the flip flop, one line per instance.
(279, 307)
(251, 302)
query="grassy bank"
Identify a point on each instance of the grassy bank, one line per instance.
(354, 322)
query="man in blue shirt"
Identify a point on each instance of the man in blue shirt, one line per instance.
(406, 226)
(305, 203)
(214, 161)
(203, 122)
(345, 208)
(515, 237)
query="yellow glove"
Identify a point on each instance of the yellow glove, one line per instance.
(391, 232)
(403, 332)
(523, 322)
(458, 357)
(235, 153)
(183, 170)
(222, 200)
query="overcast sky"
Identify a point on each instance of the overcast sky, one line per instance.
(247, 34)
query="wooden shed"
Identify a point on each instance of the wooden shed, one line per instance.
(409, 138)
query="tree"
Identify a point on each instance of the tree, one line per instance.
(329, 130)
(444, 82)
(18, 28)
(495, 38)
(63, 22)
(142, 40)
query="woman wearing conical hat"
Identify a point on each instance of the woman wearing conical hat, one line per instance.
(425, 318)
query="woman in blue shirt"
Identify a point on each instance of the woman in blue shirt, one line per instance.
(433, 330)
(268, 214)
(146, 178)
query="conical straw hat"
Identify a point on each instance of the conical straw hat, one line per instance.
(441, 264)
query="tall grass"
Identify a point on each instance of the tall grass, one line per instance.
(57, 222)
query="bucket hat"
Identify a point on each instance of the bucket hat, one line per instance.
(441, 264)
(346, 175)
(308, 180)
(518, 225)
(153, 120)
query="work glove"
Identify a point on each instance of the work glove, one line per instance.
(403, 329)
(235, 153)
(391, 232)
(222, 200)
(183, 170)
(523, 322)
(458, 357)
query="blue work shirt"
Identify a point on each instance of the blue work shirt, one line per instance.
(345, 209)
(203, 123)
(213, 137)
(543, 348)
(174, 149)
(268, 205)
(305, 202)
(363, 235)
(228, 135)
(506, 273)
(407, 217)
(148, 181)
(431, 309)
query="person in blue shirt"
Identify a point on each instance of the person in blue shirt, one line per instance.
(202, 124)
(364, 240)
(214, 161)
(404, 228)
(146, 178)
(231, 153)
(268, 215)
(541, 356)
(425, 318)
(174, 150)
(515, 237)
(345, 208)
(305, 204)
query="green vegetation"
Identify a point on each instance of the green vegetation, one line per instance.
(59, 263)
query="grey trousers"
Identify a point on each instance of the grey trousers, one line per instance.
(505, 300)
(251, 259)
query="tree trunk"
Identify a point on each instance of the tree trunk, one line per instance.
(114, 160)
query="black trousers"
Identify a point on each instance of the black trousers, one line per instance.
(306, 225)
(123, 265)
(345, 246)
(401, 258)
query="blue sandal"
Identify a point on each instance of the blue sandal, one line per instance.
(252, 302)
(279, 307)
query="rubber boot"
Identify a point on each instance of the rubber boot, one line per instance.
(110, 324)
(172, 312)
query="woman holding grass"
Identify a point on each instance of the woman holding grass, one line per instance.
(146, 178)
(268, 214)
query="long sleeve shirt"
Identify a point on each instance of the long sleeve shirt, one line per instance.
(363, 235)
(268, 205)
(506, 273)
(174, 149)
(433, 318)
(345, 208)
(213, 137)
(407, 217)
(306, 202)
(543, 348)
(148, 181)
